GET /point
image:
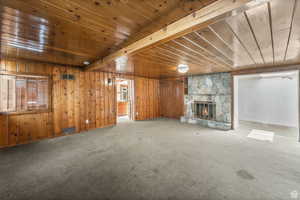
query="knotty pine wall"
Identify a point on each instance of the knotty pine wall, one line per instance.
(3, 131)
(147, 98)
(88, 97)
(172, 98)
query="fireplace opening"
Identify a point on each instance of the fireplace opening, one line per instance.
(205, 110)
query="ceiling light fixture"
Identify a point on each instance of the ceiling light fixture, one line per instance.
(86, 62)
(183, 68)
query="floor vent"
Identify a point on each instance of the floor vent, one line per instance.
(68, 130)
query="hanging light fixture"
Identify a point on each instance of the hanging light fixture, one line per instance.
(183, 68)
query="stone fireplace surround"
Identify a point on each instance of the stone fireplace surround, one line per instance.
(211, 88)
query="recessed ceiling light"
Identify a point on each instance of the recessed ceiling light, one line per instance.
(86, 62)
(183, 68)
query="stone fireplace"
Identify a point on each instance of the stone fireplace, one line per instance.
(208, 102)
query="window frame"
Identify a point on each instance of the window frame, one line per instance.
(34, 76)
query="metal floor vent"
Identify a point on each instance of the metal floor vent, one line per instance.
(69, 130)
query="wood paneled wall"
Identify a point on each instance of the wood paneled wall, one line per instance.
(85, 103)
(171, 98)
(3, 131)
(29, 127)
(147, 98)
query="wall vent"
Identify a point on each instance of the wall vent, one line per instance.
(69, 130)
(67, 77)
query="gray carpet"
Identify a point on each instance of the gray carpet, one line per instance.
(160, 159)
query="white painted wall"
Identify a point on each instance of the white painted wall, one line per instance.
(268, 100)
(236, 102)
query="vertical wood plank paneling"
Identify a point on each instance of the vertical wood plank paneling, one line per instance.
(22, 67)
(106, 99)
(24, 130)
(73, 102)
(77, 102)
(3, 130)
(93, 100)
(13, 130)
(88, 97)
(146, 98)
(97, 91)
(102, 100)
(56, 100)
(154, 100)
(64, 101)
(151, 99)
(171, 98)
(11, 66)
(157, 99)
(137, 92)
(70, 97)
(111, 100)
(35, 121)
(49, 125)
(82, 91)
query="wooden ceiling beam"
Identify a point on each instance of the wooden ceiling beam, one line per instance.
(201, 18)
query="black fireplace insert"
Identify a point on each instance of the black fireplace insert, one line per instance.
(204, 110)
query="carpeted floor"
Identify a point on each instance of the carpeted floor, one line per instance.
(159, 159)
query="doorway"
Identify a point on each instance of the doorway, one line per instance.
(266, 105)
(125, 104)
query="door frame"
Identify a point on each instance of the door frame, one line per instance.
(130, 97)
(234, 94)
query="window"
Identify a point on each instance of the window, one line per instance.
(20, 93)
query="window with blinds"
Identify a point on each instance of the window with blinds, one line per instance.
(23, 93)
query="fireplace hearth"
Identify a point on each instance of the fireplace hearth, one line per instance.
(204, 110)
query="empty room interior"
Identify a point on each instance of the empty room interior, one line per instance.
(152, 99)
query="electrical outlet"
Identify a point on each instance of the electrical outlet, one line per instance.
(87, 121)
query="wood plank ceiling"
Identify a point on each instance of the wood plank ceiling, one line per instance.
(70, 32)
(265, 35)
(73, 31)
